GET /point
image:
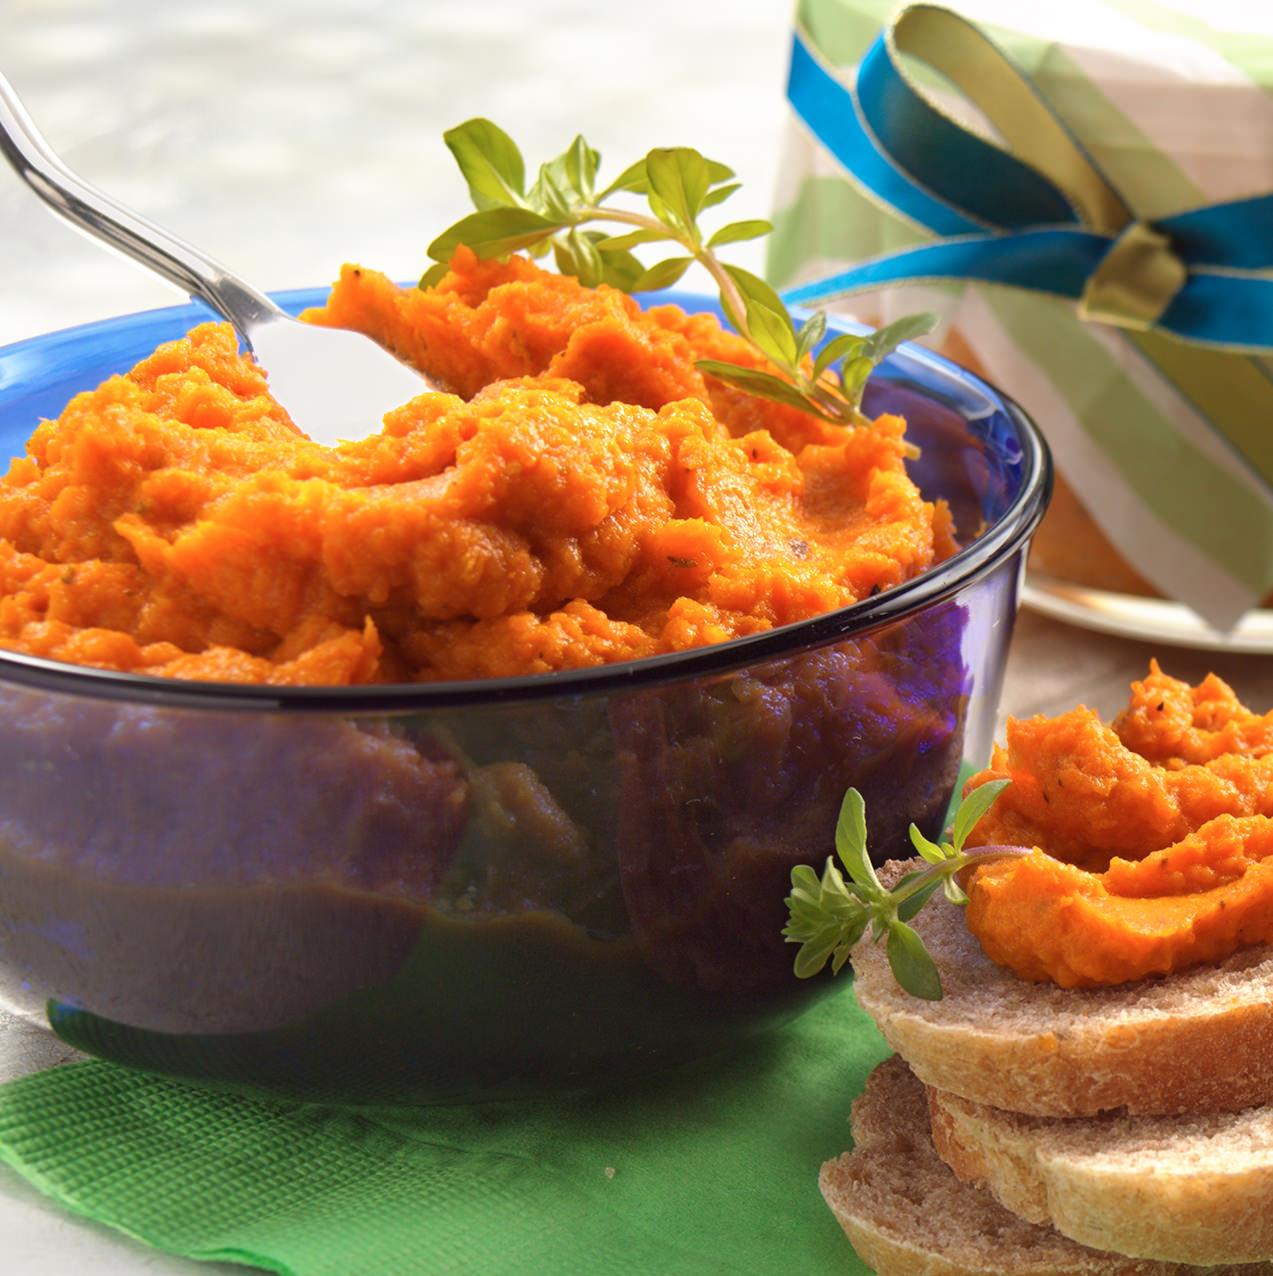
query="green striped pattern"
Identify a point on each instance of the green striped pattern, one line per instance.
(1218, 514)
(1174, 469)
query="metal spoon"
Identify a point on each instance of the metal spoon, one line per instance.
(334, 384)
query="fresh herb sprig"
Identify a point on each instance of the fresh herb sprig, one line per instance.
(829, 914)
(560, 211)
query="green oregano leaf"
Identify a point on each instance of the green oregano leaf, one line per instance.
(844, 346)
(632, 179)
(827, 916)
(552, 195)
(972, 808)
(912, 905)
(633, 239)
(926, 846)
(737, 232)
(809, 334)
(850, 840)
(577, 255)
(772, 332)
(495, 232)
(678, 184)
(663, 275)
(581, 163)
(757, 291)
(490, 161)
(719, 194)
(911, 964)
(881, 343)
(755, 381)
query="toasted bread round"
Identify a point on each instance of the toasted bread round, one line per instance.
(1200, 1040)
(906, 1214)
(1192, 1188)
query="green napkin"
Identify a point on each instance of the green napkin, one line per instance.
(710, 1170)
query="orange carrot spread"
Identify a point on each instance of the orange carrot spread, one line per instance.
(584, 496)
(1153, 837)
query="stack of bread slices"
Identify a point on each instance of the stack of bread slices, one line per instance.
(1032, 1130)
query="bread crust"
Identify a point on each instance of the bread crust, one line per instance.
(1200, 1040)
(906, 1214)
(1191, 1189)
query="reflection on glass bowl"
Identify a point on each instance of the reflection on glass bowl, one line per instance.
(430, 892)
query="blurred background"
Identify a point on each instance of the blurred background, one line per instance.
(285, 137)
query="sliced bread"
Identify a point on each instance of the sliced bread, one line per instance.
(1192, 1188)
(1200, 1040)
(906, 1214)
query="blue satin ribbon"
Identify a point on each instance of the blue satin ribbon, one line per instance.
(999, 220)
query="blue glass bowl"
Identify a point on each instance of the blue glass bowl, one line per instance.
(427, 893)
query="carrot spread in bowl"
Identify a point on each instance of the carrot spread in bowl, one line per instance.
(585, 496)
(1153, 838)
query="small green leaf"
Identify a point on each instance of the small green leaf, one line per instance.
(633, 178)
(576, 254)
(850, 840)
(494, 232)
(913, 903)
(490, 161)
(551, 194)
(757, 291)
(717, 172)
(719, 194)
(621, 270)
(972, 808)
(679, 179)
(764, 385)
(565, 183)
(813, 953)
(928, 849)
(853, 376)
(662, 275)
(881, 343)
(804, 879)
(809, 334)
(737, 232)
(910, 963)
(768, 321)
(844, 346)
(434, 275)
(581, 163)
(633, 239)
(771, 330)
(829, 914)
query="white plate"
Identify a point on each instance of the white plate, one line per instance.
(1145, 619)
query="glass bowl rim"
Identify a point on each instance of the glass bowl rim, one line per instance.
(995, 545)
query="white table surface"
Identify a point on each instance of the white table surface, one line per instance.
(287, 136)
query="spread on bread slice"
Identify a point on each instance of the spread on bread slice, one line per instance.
(1056, 1116)
(1199, 1041)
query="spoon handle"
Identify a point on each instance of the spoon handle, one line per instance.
(88, 209)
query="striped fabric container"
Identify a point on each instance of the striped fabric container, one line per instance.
(1081, 191)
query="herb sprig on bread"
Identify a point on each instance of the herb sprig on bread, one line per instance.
(828, 914)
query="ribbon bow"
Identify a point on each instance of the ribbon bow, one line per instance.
(1039, 214)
